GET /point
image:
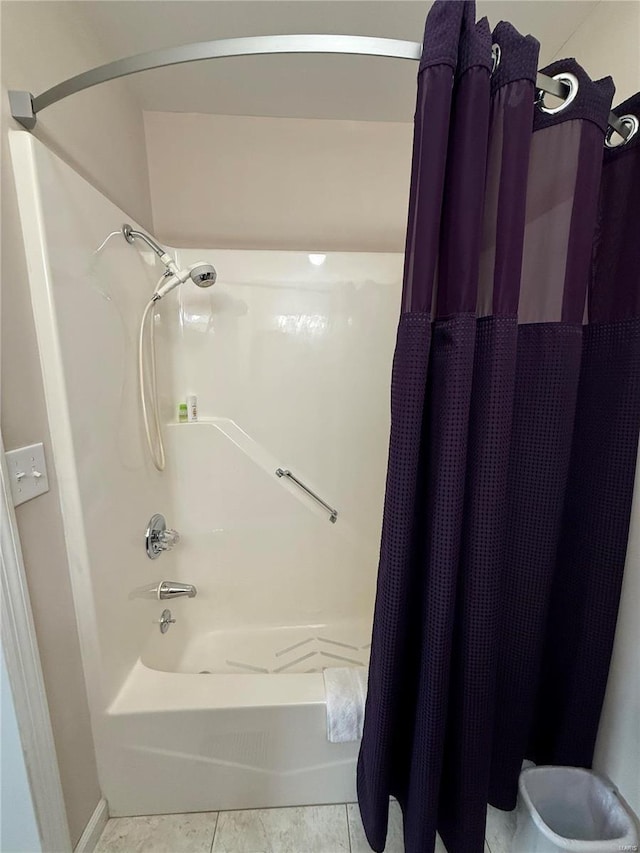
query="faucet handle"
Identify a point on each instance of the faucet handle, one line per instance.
(165, 621)
(170, 537)
(158, 537)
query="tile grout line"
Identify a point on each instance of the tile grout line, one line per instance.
(215, 829)
(346, 814)
(486, 841)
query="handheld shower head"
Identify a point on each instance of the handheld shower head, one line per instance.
(202, 274)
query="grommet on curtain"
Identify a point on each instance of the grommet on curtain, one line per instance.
(629, 121)
(572, 82)
(496, 56)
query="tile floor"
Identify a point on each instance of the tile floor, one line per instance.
(312, 829)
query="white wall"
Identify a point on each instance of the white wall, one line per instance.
(101, 133)
(608, 42)
(247, 182)
(618, 746)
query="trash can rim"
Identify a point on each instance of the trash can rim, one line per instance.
(562, 841)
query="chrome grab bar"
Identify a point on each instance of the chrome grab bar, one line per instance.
(284, 472)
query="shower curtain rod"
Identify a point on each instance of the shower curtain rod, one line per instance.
(25, 106)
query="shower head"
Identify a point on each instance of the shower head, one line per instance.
(200, 273)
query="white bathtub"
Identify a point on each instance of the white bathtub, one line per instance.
(183, 740)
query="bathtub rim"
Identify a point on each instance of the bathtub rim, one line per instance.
(146, 690)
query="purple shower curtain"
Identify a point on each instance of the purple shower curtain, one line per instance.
(515, 405)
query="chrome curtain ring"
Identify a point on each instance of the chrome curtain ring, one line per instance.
(569, 80)
(629, 121)
(496, 56)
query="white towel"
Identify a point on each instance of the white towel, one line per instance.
(346, 691)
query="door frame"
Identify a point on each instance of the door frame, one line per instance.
(20, 647)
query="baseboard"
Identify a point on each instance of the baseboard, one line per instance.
(93, 830)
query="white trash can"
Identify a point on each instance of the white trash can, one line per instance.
(568, 808)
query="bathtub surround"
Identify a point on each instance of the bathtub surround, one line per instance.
(226, 709)
(515, 421)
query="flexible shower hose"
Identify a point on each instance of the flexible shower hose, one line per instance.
(154, 436)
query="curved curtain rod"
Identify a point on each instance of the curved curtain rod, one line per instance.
(25, 106)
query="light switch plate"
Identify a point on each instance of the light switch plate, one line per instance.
(27, 473)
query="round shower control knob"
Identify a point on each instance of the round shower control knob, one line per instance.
(158, 538)
(171, 537)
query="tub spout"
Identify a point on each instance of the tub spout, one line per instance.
(173, 589)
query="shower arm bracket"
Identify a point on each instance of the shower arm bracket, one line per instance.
(22, 110)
